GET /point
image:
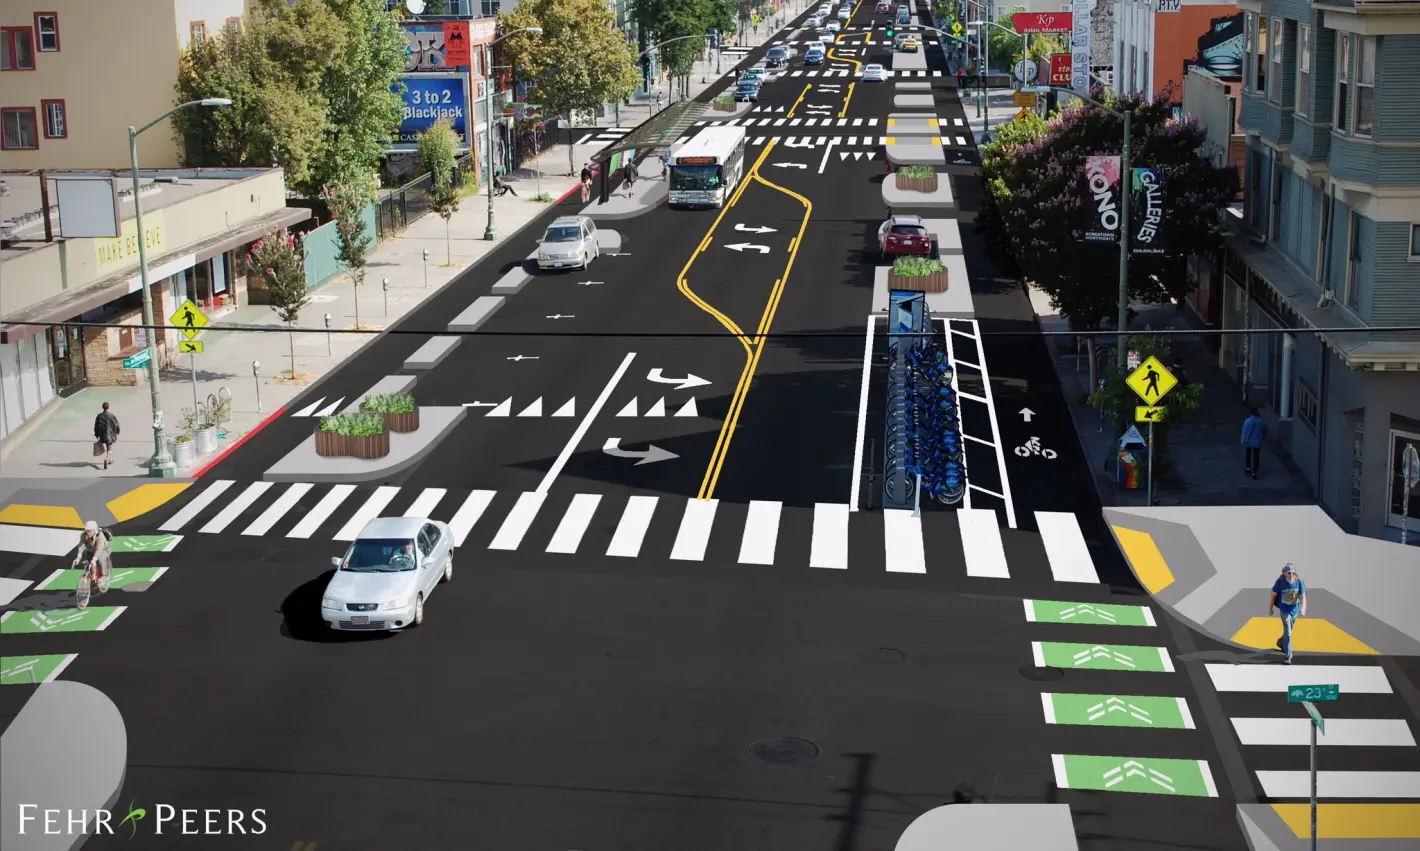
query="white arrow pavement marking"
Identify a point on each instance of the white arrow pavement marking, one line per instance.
(688, 409)
(690, 380)
(629, 410)
(523, 357)
(505, 408)
(619, 254)
(823, 163)
(480, 404)
(754, 229)
(560, 316)
(745, 246)
(1085, 656)
(1026, 414)
(790, 165)
(651, 455)
(658, 409)
(567, 410)
(795, 142)
(590, 283)
(1085, 609)
(533, 410)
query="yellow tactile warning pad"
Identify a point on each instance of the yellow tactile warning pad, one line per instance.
(1144, 557)
(62, 516)
(1309, 635)
(1352, 821)
(144, 499)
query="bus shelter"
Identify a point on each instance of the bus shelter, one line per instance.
(657, 132)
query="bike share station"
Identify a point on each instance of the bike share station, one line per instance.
(922, 444)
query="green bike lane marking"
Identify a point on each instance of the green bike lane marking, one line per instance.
(1142, 775)
(32, 670)
(91, 619)
(1101, 657)
(144, 543)
(1117, 710)
(1106, 614)
(67, 579)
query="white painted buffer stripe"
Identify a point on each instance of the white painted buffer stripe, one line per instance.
(1342, 732)
(981, 543)
(367, 512)
(278, 509)
(1341, 784)
(694, 533)
(318, 515)
(829, 547)
(1353, 679)
(574, 523)
(902, 542)
(1065, 547)
(232, 510)
(194, 508)
(761, 532)
(631, 530)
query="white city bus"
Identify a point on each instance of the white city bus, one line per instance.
(706, 168)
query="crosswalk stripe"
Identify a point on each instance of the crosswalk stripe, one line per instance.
(467, 515)
(194, 508)
(367, 512)
(516, 524)
(761, 532)
(631, 529)
(284, 503)
(694, 533)
(829, 547)
(1341, 784)
(1352, 679)
(1343, 732)
(234, 508)
(425, 504)
(326, 507)
(574, 523)
(1065, 547)
(981, 543)
(902, 540)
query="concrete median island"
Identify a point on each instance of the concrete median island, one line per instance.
(897, 198)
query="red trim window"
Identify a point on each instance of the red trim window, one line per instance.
(19, 129)
(47, 32)
(56, 119)
(197, 31)
(17, 49)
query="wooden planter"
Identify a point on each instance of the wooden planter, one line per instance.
(402, 423)
(934, 283)
(331, 445)
(916, 184)
(724, 107)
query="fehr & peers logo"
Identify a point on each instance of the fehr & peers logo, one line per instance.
(166, 820)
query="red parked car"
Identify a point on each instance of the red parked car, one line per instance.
(904, 235)
(884, 7)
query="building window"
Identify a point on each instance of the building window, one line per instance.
(1398, 441)
(17, 49)
(1274, 220)
(233, 22)
(1358, 457)
(1415, 242)
(1249, 45)
(1343, 81)
(197, 30)
(1253, 197)
(1306, 404)
(47, 31)
(1365, 86)
(1353, 263)
(18, 124)
(1259, 65)
(55, 124)
(1304, 67)
(1274, 79)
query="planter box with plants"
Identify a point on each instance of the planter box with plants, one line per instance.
(919, 274)
(916, 178)
(397, 409)
(724, 104)
(359, 435)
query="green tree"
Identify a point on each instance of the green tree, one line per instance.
(437, 147)
(1006, 49)
(436, 7)
(353, 241)
(278, 260)
(1119, 400)
(579, 60)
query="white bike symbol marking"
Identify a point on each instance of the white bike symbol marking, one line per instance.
(1033, 447)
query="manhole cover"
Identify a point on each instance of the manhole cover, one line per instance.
(283, 557)
(784, 750)
(1042, 675)
(882, 656)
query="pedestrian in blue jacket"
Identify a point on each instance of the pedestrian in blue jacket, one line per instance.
(1253, 429)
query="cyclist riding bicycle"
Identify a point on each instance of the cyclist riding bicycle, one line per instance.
(94, 546)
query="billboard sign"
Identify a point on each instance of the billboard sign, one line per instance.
(427, 98)
(1102, 184)
(1081, 45)
(1034, 23)
(458, 51)
(1060, 66)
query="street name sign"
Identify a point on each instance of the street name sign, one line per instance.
(1316, 716)
(1152, 381)
(1313, 694)
(138, 360)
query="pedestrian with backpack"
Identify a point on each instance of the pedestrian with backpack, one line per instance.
(95, 546)
(106, 432)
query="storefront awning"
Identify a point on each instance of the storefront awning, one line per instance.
(68, 305)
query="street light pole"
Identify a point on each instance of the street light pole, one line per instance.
(161, 466)
(490, 233)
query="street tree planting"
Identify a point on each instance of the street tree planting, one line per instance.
(353, 241)
(277, 259)
(437, 147)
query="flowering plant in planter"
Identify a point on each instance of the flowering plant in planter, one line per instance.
(360, 435)
(922, 274)
(916, 178)
(398, 410)
(724, 103)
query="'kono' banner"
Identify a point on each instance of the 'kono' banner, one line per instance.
(1146, 211)
(1102, 184)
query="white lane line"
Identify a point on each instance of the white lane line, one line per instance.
(194, 508)
(981, 543)
(318, 515)
(1340, 732)
(1037, 654)
(516, 524)
(856, 486)
(827, 150)
(574, 523)
(585, 424)
(1065, 547)
(829, 547)
(631, 529)
(1341, 784)
(463, 520)
(761, 532)
(424, 506)
(278, 509)
(232, 510)
(1183, 710)
(1047, 703)
(694, 532)
(902, 542)
(956, 388)
(1062, 777)
(1352, 679)
(369, 511)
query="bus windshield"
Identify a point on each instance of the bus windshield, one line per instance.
(696, 177)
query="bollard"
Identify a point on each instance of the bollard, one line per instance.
(917, 498)
(426, 268)
(328, 352)
(385, 285)
(256, 379)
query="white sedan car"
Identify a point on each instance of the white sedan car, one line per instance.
(832, 27)
(570, 242)
(387, 574)
(874, 74)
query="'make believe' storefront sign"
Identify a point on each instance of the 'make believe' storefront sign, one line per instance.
(112, 255)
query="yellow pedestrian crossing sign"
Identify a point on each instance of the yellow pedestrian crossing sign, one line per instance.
(1144, 413)
(189, 319)
(190, 347)
(956, 28)
(1021, 116)
(1151, 381)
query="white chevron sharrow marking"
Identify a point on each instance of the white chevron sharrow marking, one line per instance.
(425, 504)
(504, 409)
(318, 515)
(629, 410)
(232, 510)
(567, 410)
(533, 410)
(688, 409)
(194, 508)
(658, 409)
(467, 515)
(309, 409)
(981, 543)
(902, 542)
(694, 533)
(329, 409)
(1065, 547)
(574, 523)
(367, 512)
(516, 524)
(761, 532)
(829, 547)
(635, 519)
(278, 509)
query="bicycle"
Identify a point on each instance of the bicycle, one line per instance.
(88, 581)
(1033, 447)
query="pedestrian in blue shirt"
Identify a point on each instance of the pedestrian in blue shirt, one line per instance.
(1253, 429)
(1289, 597)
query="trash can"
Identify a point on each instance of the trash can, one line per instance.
(1128, 470)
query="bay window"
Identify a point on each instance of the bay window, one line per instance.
(1365, 85)
(1304, 67)
(1274, 79)
(1343, 81)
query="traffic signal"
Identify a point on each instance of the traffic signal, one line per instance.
(889, 33)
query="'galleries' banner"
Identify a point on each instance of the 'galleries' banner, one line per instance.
(1146, 211)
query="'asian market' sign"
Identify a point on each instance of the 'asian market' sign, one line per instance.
(427, 98)
(1034, 23)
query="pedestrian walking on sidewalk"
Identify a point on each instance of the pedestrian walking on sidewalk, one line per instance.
(1289, 597)
(1253, 430)
(628, 173)
(500, 188)
(586, 182)
(106, 432)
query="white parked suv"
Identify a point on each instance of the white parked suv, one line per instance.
(568, 243)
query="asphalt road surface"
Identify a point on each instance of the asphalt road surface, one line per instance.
(627, 689)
